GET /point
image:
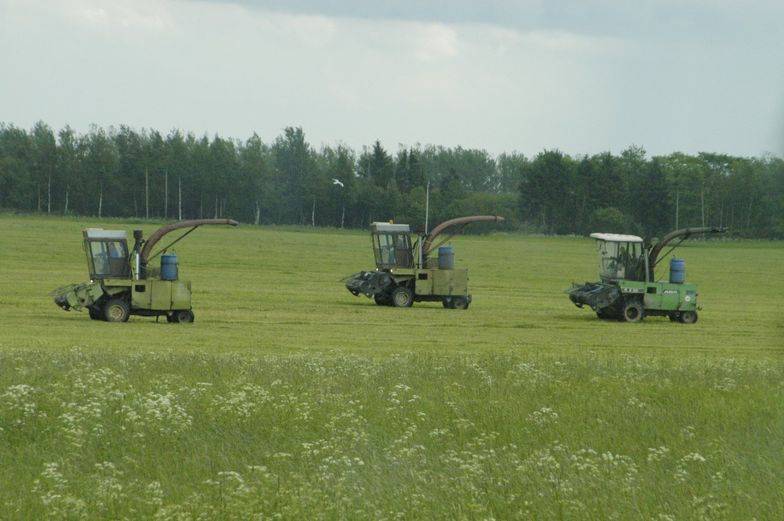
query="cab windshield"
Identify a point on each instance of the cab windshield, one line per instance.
(621, 260)
(392, 250)
(109, 259)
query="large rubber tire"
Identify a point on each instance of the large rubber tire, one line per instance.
(402, 297)
(183, 316)
(95, 313)
(632, 311)
(116, 310)
(689, 317)
(459, 303)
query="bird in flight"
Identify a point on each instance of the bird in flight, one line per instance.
(337, 182)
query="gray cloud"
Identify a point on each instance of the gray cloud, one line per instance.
(711, 20)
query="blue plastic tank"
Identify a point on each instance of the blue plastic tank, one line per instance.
(169, 266)
(677, 271)
(446, 258)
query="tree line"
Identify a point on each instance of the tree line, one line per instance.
(123, 172)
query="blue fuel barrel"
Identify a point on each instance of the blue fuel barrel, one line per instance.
(446, 258)
(677, 271)
(169, 266)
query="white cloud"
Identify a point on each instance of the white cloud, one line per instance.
(434, 41)
(228, 68)
(311, 31)
(143, 15)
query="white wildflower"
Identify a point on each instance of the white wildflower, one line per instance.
(19, 399)
(542, 417)
(657, 453)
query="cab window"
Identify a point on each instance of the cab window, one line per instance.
(621, 260)
(392, 250)
(109, 259)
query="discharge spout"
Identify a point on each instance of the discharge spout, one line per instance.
(158, 234)
(427, 246)
(684, 233)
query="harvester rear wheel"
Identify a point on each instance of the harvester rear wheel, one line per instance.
(184, 316)
(402, 297)
(459, 303)
(116, 310)
(632, 311)
(689, 317)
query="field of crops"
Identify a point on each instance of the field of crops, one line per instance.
(290, 398)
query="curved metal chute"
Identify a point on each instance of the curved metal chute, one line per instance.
(428, 244)
(163, 230)
(683, 234)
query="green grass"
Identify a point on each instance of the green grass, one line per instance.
(290, 397)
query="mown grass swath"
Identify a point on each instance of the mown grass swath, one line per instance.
(290, 397)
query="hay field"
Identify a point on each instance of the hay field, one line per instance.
(289, 398)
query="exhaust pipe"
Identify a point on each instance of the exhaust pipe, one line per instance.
(137, 252)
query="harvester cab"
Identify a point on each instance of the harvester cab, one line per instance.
(107, 253)
(408, 269)
(124, 283)
(620, 257)
(392, 245)
(628, 289)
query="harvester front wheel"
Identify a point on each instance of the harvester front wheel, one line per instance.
(689, 317)
(95, 313)
(116, 310)
(402, 297)
(632, 311)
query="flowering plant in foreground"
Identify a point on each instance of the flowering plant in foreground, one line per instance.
(161, 436)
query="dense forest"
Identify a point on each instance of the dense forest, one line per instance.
(122, 172)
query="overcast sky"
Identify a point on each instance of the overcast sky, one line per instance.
(582, 76)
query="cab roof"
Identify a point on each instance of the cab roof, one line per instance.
(100, 233)
(616, 237)
(390, 228)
